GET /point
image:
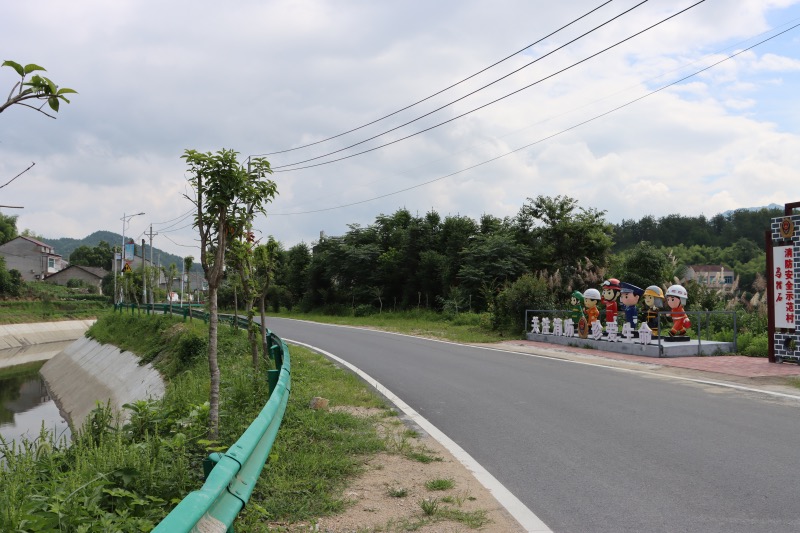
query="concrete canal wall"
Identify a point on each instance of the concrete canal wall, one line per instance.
(87, 372)
(29, 343)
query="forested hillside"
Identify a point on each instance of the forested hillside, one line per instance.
(65, 246)
(551, 247)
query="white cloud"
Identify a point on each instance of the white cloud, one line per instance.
(156, 78)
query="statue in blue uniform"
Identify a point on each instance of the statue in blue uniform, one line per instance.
(629, 297)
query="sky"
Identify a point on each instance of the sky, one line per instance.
(155, 78)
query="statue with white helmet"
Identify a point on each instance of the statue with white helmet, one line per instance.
(676, 300)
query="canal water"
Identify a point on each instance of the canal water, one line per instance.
(25, 405)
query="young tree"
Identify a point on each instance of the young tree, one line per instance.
(265, 258)
(188, 261)
(170, 273)
(225, 195)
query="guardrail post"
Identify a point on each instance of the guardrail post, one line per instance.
(272, 379)
(210, 462)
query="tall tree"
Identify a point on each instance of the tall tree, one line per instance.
(8, 228)
(226, 195)
(567, 233)
(93, 256)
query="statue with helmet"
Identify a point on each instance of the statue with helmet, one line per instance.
(653, 303)
(676, 300)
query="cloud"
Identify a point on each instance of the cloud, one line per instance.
(157, 78)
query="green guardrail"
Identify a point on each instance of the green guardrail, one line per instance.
(232, 476)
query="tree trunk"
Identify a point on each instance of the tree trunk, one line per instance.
(213, 366)
(251, 335)
(263, 315)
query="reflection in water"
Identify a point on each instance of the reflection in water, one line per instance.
(25, 405)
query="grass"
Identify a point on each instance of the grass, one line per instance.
(127, 477)
(46, 302)
(440, 484)
(464, 327)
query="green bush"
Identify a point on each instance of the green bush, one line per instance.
(364, 310)
(528, 292)
(191, 346)
(758, 347)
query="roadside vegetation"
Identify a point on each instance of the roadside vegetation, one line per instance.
(45, 302)
(126, 476)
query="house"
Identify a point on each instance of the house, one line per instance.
(712, 276)
(33, 259)
(90, 275)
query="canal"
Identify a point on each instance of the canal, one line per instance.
(25, 405)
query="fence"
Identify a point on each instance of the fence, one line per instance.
(232, 476)
(705, 324)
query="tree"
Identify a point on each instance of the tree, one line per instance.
(94, 256)
(645, 265)
(8, 228)
(37, 88)
(170, 273)
(226, 195)
(265, 258)
(187, 267)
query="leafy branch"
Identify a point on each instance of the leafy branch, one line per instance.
(37, 88)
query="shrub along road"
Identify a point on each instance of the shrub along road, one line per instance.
(588, 448)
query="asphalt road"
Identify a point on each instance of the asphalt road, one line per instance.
(592, 449)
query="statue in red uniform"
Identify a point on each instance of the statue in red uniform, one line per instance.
(676, 299)
(611, 290)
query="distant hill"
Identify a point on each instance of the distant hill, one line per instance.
(65, 246)
(770, 207)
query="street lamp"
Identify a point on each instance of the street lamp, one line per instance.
(125, 218)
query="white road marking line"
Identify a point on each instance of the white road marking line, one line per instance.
(526, 518)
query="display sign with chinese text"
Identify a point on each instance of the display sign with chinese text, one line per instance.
(783, 281)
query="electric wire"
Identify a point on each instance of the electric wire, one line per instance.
(181, 245)
(684, 66)
(443, 90)
(548, 137)
(497, 99)
(173, 219)
(276, 168)
(166, 229)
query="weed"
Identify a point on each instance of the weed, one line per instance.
(397, 492)
(429, 506)
(440, 484)
(472, 519)
(422, 456)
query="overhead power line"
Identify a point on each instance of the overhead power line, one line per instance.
(442, 90)
(276, 168)
(548, 137)
(497, 99)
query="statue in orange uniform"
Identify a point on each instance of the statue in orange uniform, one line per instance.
(590, 299)
(676, 299)
(611, 290)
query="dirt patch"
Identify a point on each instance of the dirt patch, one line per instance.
(391, 495)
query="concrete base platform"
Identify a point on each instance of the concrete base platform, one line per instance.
(689, 348)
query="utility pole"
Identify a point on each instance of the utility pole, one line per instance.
(144, 281)
(152, 289)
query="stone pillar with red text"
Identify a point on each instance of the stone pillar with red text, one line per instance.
(785, 280)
